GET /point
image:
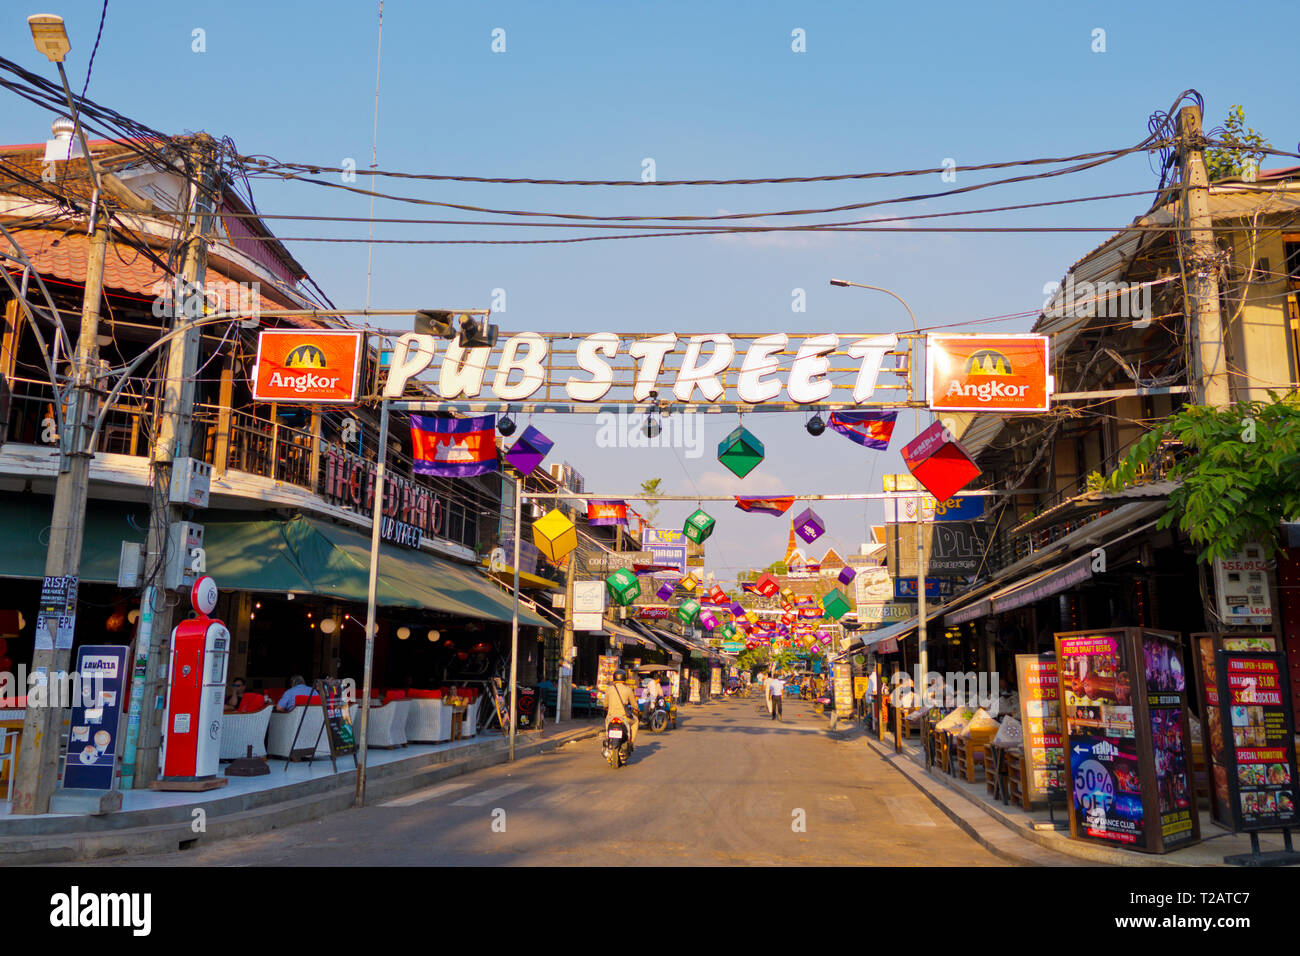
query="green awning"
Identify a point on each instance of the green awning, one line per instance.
(300, 554)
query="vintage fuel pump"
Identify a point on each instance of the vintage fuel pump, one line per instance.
(196, 692)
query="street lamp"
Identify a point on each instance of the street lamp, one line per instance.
(921, 635)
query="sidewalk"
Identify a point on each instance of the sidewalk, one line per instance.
(156, 821)
(973, 808)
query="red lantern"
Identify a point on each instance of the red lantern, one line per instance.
(482, 648)
(6, 664)
(449, 644)
(462, 655)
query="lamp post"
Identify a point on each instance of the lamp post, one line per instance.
(37, 771)
(917, 368)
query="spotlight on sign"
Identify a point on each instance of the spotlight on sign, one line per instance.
(740, 452)
(699, 526)
(651, 427)
(555, 535)
(506, 424)
(809, 526)
(815, 425)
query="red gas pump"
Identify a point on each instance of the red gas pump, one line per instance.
(196, 691)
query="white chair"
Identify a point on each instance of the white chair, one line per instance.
(429, 722)
(387, 726)
(240, 731)
(279, 738)
(470, 726)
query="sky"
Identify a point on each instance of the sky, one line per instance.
(589, 90)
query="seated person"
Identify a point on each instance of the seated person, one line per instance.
(236, 695)
(298, 687)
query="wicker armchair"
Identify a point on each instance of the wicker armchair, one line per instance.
(387, 726)
(429, 721)
(242, 730)
(279, 738)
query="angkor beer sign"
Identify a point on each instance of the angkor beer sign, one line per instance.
(307, 366)
(606, 366)
(988, 373)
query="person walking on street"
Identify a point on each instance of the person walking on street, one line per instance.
(775, 689)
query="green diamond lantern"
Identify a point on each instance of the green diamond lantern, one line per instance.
(729, 632)
(623, 587)
(834, 605)
(699, 526)
(688, 611)
(740, 452)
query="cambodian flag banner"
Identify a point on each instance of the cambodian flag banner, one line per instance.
(761, 505)
(607, 513)
(871, 429)
(454, 447)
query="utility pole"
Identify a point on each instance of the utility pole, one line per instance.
(37, 773)
(1200, 267)
(172, 440)
(564, 682)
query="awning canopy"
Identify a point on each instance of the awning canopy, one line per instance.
(298, 555)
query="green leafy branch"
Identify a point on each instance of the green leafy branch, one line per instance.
(1245, 150)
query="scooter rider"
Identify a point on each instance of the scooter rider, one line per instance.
(620, 702)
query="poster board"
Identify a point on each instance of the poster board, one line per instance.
(1040, 720)
(1260, 755)
(715, 681)
(695, 689)
(1124, 716)
(94, 729)
(1204, 646)
(842, 680)
(337, 717)
(606, 664)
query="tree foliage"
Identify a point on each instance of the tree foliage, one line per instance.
(1240, 476)
(1244, 153)
(651, 487)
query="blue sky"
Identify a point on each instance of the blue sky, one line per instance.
(589, 90)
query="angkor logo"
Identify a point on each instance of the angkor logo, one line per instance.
(988, 362)
(305, 356)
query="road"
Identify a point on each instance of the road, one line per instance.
(727, 787)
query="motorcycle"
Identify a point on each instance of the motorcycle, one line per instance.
(660, 715)
(617, 743)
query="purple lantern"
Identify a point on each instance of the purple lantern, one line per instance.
(809, 526)
(707, 620)
(527, 453)
(737, 609)
(666, 590)
(847, 574)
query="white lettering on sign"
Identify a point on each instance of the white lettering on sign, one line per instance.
(986, 391)
(304, 382)
(526, 365)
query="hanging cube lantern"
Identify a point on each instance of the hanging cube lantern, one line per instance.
(834, 605)
(768, 585)
(688, 611)
(527, 453)
(729, 632)
(623, 587)
(847, 574)
(809, 526)
(740, 452)
(708, 620)
(698, 526)
(737, 609)
(718, 595)
(666, 590)
(689, 582)
(787, 595)
(555, 535)
(751, 617)
(787, 606)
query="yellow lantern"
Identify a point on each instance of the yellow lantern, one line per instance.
(555, 535)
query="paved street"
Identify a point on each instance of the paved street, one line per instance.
(721, 789)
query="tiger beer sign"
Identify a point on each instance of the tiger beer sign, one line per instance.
(307, 366)
(988, 373)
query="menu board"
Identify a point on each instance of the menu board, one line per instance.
(842, 678)
(695, 688)
(96, 715)
(605, 667)
(1097, 709)
(715, 682)
(1166, 689)
(1261, 758)
(1216, 765)
(1040, 719)
(337, 715)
